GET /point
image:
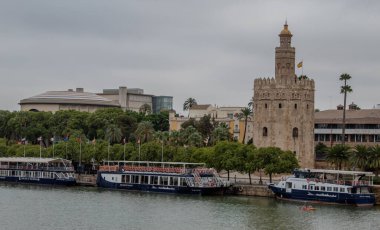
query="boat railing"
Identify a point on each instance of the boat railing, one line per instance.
(341, 182)
(129, 168)
(32, 167)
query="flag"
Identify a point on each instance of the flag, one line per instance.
(138, 141)
(124, 140)
(299, 65)
(39, 139)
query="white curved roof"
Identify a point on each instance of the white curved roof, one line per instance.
(69, 97)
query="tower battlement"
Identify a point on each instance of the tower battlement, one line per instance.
(292, 83)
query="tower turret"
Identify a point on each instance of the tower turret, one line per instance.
(285, 56)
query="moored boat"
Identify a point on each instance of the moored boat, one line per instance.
(55, 171)
(167, 177)
(327, 186)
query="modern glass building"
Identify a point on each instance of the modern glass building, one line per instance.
(161, 103)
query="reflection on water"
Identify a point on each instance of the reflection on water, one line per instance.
(44, 207)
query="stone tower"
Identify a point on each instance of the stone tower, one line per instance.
(284, 107)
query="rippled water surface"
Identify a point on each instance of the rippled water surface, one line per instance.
(42, 207)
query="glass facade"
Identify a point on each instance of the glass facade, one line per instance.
(161, 103)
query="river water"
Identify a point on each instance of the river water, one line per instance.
(43, 207)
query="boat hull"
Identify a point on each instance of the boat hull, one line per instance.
(47, 181)
(160, 188)
(324, 197)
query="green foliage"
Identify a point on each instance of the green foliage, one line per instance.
(189, 103)
(338, 155)
(321, 151)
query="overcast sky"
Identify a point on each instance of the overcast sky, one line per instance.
(208, 50)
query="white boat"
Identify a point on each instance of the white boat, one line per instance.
(167, 177)
(54, 171)
(327, 186)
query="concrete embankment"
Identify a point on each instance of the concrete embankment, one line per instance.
(253, 190)
(86, 179)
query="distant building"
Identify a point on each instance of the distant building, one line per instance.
(284, 106)
(53, 101)
(226, 115)
(127, 99)
(362, 127)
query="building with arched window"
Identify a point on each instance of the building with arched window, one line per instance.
(284, 106)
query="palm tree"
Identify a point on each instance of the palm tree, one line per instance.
(145, 130)
(189, 103)
(113, 133)
(374, 158)
(245, 112)
(344, 89)
(359, 157)
(145, 109)
(338, 154)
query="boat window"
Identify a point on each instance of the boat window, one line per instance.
(145, 180)
(304, 186)
(364, 190)
(154, 179)
(316, 188)
(135, 179)
(335, 189)
(311, 187)
(127, 179)
(183, 182)
(123, 178)
(323, 188)
(174, 181)
(164, 180)
(348, 190)
(342, 189)
(329, 189)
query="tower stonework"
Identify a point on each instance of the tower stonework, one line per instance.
(284, 107)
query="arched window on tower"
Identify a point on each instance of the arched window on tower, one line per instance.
(266, 105)
(295, 106)
(280, 106)
(265, 132)
(295, 132)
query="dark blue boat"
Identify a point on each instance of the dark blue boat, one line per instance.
(54, 171)
(166, 177)
(327, 186)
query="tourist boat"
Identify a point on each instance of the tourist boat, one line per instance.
(54, 171)
(167, 177)
(327, 186)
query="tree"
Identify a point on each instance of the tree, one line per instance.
(274, 160)
(113, 133)
(374, 158)
(344, 89)
(189, 103)
(205, 127)
(145, 109)
(145, 130)
(359, 157)
(245, 112)
(320, 151)
(338, 155)
(220, 133)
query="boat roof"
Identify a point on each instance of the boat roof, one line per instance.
(33, 160)
(157, 162)
(331, 171)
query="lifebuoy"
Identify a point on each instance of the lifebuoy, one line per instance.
(240, 189)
